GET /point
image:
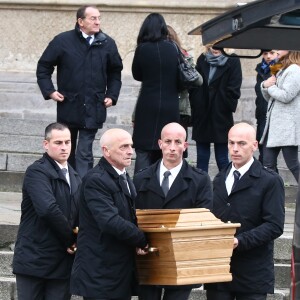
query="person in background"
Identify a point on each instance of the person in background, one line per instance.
(104, 266)
(168, 184)
(88, 81)
(184, 98)
(247, 193)
(282, 130)
(155, 66)
(214, 103)
(45, 245)
(263, 72)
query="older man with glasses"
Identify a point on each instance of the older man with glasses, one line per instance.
(88, 81)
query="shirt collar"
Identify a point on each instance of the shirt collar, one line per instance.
(86, 35)
(61, 166)
(119, 171)
(174, 171)
(242, 169)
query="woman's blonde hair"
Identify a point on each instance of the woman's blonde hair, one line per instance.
(293, 57)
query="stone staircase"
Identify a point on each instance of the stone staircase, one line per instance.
(9, 220)
(23, 116)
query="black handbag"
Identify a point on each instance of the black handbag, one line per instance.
(188, 76)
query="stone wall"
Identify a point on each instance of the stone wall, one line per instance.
(29, 25)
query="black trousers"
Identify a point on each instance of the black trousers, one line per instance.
(224, 295)
(35, 288)
(261, 123)
(150, 292)
(81, 157)
(290, 155)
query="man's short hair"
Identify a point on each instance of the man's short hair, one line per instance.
(55, 125)
(81, 11)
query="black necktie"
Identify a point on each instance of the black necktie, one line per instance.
(124, 181)
(236, 175)
(165, 182)
(88, 39)
(64, 171)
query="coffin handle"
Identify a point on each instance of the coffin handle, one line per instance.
(153, 250)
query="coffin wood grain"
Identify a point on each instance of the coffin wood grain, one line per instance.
(193, 247)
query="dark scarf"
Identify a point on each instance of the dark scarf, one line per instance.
(214, 62)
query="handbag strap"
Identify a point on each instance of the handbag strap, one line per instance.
(180, 54)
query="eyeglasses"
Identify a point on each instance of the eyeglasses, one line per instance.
(93, 19)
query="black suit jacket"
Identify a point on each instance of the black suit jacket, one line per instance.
(190, 189)
(104, 265)
(49, 213)
(257, 202)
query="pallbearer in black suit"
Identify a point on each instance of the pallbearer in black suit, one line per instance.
(104, 267)
(45, 246)
(171, 183)
(245, 192)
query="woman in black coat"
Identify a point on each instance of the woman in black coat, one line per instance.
(155, 65)
(213, 105)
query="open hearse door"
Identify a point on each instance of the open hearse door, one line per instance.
(262, 24)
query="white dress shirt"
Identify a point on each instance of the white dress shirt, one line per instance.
(86, 35)
(174, 173)
(230, 178)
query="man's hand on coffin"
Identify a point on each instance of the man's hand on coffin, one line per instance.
(235, 243)
(144, 251)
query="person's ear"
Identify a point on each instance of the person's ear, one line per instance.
(186, 144)
(80, 22)
(159, 143)
(255, 146)
(46, 145)
(105, 151)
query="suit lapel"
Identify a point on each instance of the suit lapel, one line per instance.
(153, 184)
(246, 182)
(179, 185)
(219, 183)
(73, 180)
(132, 188)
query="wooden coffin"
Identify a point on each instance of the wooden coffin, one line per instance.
(188, 246)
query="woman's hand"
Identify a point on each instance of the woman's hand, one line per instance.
(269, 82)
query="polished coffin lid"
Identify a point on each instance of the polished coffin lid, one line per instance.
(189, 246)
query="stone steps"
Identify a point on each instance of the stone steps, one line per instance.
(282, 254)
(282, 270)
(8, 292)
(23, 116)
(282, 251)
(22, 145)
(9, 220)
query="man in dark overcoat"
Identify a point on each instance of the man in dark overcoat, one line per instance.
(44, 249)
(247, 193)
(213, 105)
(88, 81)
(104, 266)
(188, 187)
